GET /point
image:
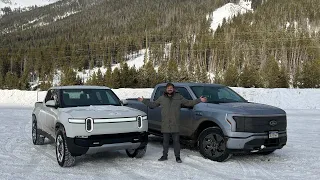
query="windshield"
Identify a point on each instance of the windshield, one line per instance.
(87, 97)
(217, 94)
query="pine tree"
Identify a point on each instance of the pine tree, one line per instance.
(249, 77)
(116, 78)
(270, 73)
(11, 81)
(283, 80)
(69, 77)
(310, 75)
(231, 76)
(172, 73)
(100, 79)
(149, 75)
(125, 76)
(273, 76)
(93, 80)
(183, 74)
(162, 72)
(134, 78)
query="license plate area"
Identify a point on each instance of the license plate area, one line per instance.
(273, 134)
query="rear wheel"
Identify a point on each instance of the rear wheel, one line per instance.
(64, 157)
(212, 144)
(37, 139)
(137, 153)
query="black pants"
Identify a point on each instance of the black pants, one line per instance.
(176, 143)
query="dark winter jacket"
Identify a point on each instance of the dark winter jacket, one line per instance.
(170, 110)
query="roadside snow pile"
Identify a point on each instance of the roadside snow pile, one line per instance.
(283, 98)
(228, 11)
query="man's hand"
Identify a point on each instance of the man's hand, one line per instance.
(140, 99)
(203, 99)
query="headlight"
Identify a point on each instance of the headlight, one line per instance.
(240, 123)
(76, 121)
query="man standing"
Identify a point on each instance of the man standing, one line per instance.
(170, 103)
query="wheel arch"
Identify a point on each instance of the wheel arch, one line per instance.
(58, 126)
(204, 125)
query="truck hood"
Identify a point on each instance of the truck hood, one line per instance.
(247, 108)
(102, 112)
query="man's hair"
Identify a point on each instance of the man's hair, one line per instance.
(169, 84)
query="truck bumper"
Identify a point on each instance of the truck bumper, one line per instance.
(257, 143)
(99, 143)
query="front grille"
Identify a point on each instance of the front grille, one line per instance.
(260, 124)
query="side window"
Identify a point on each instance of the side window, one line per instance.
(184, 92)
(224, 94)
(159, 92)
(49, 96)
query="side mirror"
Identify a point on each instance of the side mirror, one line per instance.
(124, 102)
(51, 103)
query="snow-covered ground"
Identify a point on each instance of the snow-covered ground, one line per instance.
(283, 98)
(228, 11)
(20, 159)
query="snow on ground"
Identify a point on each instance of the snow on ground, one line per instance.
(228, 11)
(66, 14)
(283, 98)
(20, 159)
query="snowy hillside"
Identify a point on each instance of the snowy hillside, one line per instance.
(134, 60)
(283, 98)
(228, 11)
(13, 4)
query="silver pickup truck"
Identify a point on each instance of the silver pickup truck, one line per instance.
(225, 125)
(87, 120)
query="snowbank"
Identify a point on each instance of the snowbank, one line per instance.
(283, 98)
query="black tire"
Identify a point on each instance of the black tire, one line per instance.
(212, 144)
(137, 153)
(37, 139)
(266, 152)
(64, 157)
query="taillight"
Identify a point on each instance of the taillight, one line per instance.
(89, 124)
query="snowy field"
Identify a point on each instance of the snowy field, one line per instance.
(20, 159)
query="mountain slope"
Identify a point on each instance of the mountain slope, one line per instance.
(275, 45)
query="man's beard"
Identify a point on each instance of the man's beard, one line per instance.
(170, 93)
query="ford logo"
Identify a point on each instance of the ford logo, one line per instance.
(273, 123)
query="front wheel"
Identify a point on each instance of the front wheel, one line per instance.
(64, 157)
(137, 153)
(212, 145)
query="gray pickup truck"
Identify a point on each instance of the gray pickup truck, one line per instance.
(225, 125)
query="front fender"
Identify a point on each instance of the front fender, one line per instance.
(217, 117)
